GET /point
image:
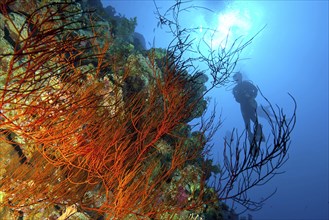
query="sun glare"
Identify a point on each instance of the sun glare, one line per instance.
(239, 19)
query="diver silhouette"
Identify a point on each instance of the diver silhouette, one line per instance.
(245, 93)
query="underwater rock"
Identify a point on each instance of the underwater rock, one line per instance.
(132, 85)
(127, 72)
(139, 41)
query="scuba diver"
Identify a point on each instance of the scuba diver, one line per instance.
(245, 93)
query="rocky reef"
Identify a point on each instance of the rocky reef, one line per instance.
(93, 125)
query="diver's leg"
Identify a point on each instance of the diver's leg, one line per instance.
(252, 111)
(258, 131)
(246, 119)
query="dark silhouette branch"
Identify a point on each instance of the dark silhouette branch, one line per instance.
(242, 169)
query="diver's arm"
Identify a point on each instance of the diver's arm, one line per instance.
(253, 90)
(236, 95)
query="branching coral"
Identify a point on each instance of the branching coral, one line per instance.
(84, 140)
